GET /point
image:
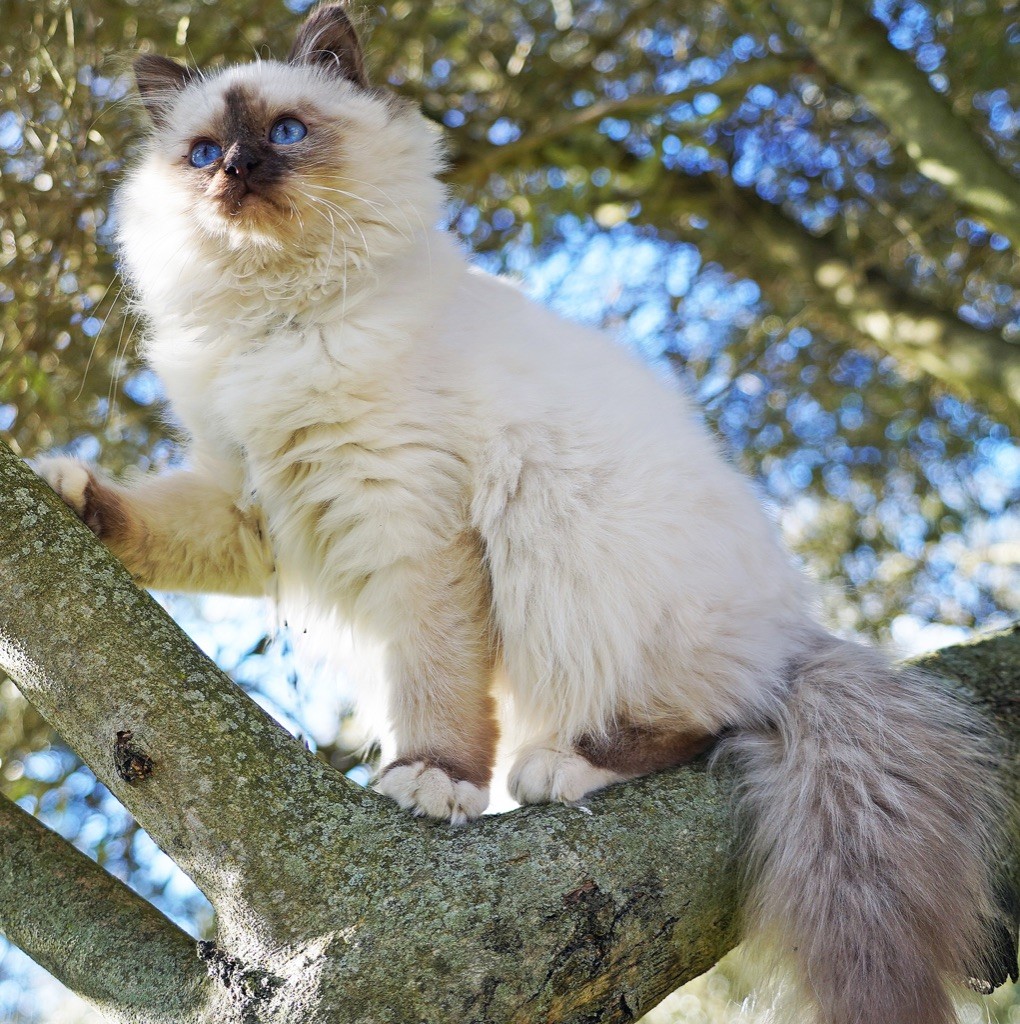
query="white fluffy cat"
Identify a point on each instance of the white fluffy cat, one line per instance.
(513, 507)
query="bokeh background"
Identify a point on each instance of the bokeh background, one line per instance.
(685, 175)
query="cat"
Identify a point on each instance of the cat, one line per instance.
(515, 511)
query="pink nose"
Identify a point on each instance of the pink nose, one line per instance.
(240, 161)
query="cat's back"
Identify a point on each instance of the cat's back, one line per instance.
(530, 374)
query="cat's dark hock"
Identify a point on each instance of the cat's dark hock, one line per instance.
(638, 749)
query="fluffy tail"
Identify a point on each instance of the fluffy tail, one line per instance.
(870, 805)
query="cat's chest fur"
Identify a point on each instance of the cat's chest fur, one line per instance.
(340, 436)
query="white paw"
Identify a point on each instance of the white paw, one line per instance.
(428, 790)
(545, 774)
(68, 477)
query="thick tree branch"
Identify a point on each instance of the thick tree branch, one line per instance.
(559, 914)
(121, 665)
(91, 930)
(750, 236)
(855, 51)
(331, 893)
(975, 364)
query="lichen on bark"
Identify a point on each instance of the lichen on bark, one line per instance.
(333, 906)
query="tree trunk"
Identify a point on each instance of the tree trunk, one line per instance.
(332, 904)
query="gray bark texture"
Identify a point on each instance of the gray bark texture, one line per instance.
(86, 927)
(332, 904)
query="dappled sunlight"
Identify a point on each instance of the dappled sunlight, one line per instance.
(703, 190)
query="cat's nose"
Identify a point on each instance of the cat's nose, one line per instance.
(240, 161)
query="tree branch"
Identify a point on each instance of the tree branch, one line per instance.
(358, 913)
(100, 938)
(976, 364)
(793, 268)
(221, 767)
(474, 167)
(854, 49)
(753, 237)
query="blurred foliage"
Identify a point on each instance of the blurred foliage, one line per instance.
(674, 171)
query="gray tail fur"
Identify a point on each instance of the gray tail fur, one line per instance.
(870, 805)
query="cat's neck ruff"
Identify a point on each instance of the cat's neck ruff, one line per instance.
(254, 287)
(230, 303)
(252, 290)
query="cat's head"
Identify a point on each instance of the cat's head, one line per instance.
(301, 157)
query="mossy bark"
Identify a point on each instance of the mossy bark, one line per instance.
(91, 930)
(333, 905)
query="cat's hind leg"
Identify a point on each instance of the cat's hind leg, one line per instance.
(563, 770)
(554, 771)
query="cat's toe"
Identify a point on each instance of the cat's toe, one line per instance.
(427, 789)
(68, 477)
(549, 774)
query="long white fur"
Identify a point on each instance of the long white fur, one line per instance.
(625, 553)
(377, 400)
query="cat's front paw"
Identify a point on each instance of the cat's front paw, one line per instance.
(83, 492)
(546, 774)
(424, 787)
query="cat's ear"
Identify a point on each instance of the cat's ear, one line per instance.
(159, 79)
(329, 40)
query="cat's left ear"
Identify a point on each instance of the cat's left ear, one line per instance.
(329, 40)
(159, 80)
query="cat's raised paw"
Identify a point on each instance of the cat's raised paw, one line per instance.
(425, 788)
(542, 774)
(68, 477)
(96, 504)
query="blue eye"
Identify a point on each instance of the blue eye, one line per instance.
(287, 131)
(204, 153)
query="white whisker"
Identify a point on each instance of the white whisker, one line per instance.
(344, 216)
(95, 342)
